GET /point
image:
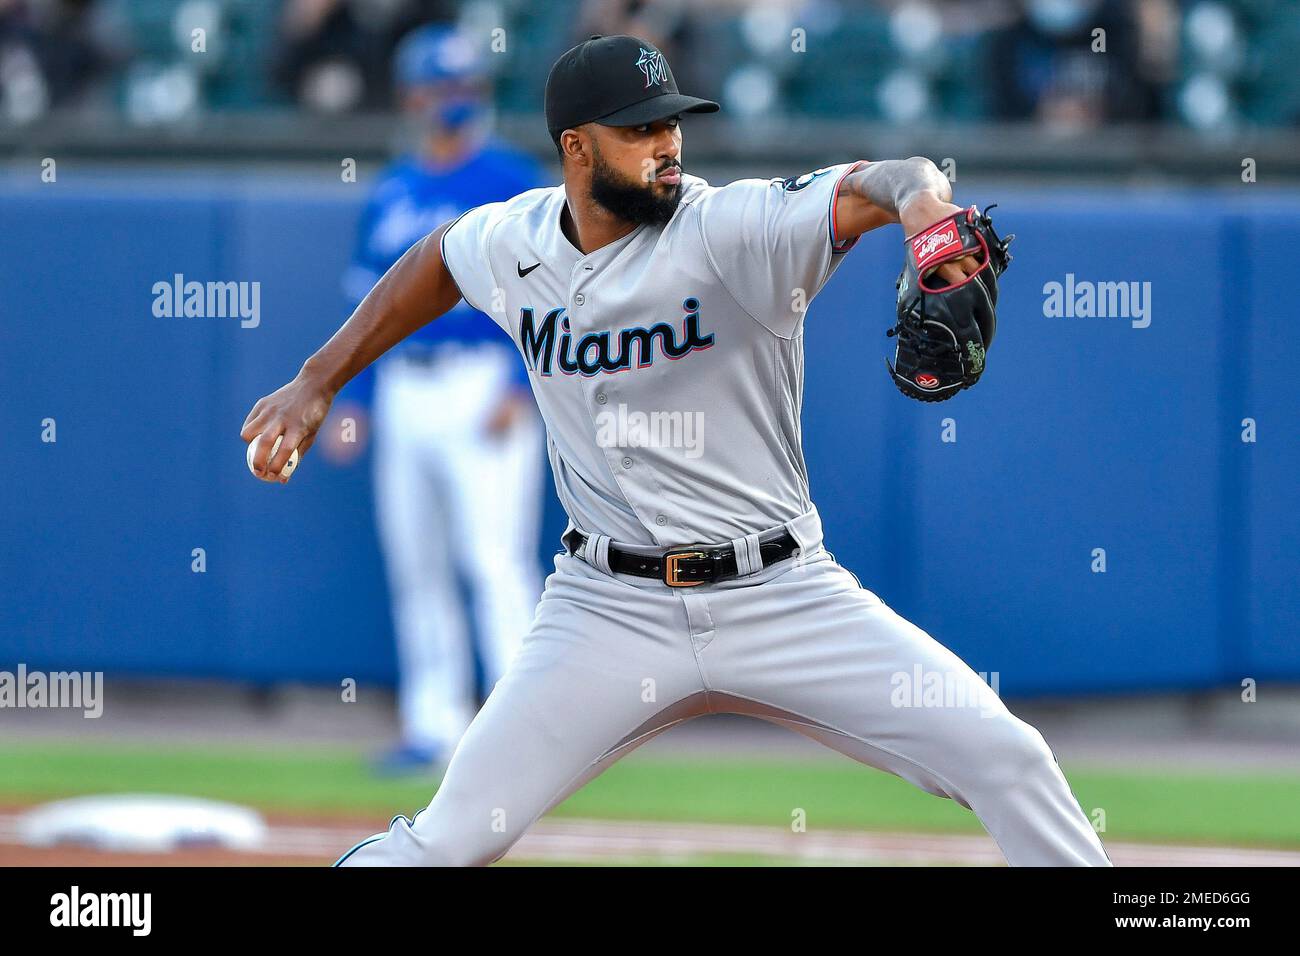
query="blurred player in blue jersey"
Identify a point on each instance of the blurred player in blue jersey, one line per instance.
(458, 441)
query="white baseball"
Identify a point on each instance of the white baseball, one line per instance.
(289, 466)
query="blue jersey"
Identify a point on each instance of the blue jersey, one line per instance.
(410, 201)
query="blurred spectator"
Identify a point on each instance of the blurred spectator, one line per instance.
(334, 55)
(1052, 64)
(671, 25)
(53, 53)
(1209, 64)
(659, 21)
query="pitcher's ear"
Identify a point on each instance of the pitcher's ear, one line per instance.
(575, 145)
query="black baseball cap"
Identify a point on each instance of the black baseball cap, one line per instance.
(614, 81)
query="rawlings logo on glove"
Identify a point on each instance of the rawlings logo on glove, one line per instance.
(930, 247)
(943, 331)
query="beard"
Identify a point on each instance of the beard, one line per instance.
(632, 201)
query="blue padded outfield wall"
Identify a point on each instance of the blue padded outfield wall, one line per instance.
(1086, 433)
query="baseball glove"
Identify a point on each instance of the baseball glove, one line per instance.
(944, 331)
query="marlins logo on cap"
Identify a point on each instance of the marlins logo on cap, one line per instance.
(652, 66)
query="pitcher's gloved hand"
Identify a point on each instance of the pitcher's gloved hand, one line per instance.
(945, 328)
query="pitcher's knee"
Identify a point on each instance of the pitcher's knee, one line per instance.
(1016, 753)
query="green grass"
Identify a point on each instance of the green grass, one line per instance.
(1139, 805)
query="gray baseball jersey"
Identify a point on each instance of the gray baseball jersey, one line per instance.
(669, 364)
(669, 369)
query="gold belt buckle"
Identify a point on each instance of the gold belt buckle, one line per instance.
(671, 572)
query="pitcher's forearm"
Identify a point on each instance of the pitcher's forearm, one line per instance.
(414, 292)
(892, 185)
(912, 192)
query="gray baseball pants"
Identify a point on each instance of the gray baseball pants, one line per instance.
(613, 660)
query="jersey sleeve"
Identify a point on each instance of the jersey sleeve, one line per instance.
(467, 253)
(772, 242)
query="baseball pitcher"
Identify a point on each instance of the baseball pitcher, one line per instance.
(660, 319)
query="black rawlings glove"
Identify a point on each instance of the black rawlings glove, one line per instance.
(943, 330)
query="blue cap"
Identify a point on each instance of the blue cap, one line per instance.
(435, 53)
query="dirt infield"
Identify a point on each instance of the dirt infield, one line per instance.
(304, 841)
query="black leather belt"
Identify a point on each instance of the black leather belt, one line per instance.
(687, 567)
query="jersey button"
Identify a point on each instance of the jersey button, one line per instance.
(627, 462)
(579, 298)
(661, 520)
(601, 398)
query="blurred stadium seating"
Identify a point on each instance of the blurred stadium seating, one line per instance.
(1206, 64)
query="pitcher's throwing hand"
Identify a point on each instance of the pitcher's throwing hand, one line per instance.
(292, 413)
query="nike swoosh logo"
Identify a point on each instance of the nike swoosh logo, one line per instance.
(519, 267)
